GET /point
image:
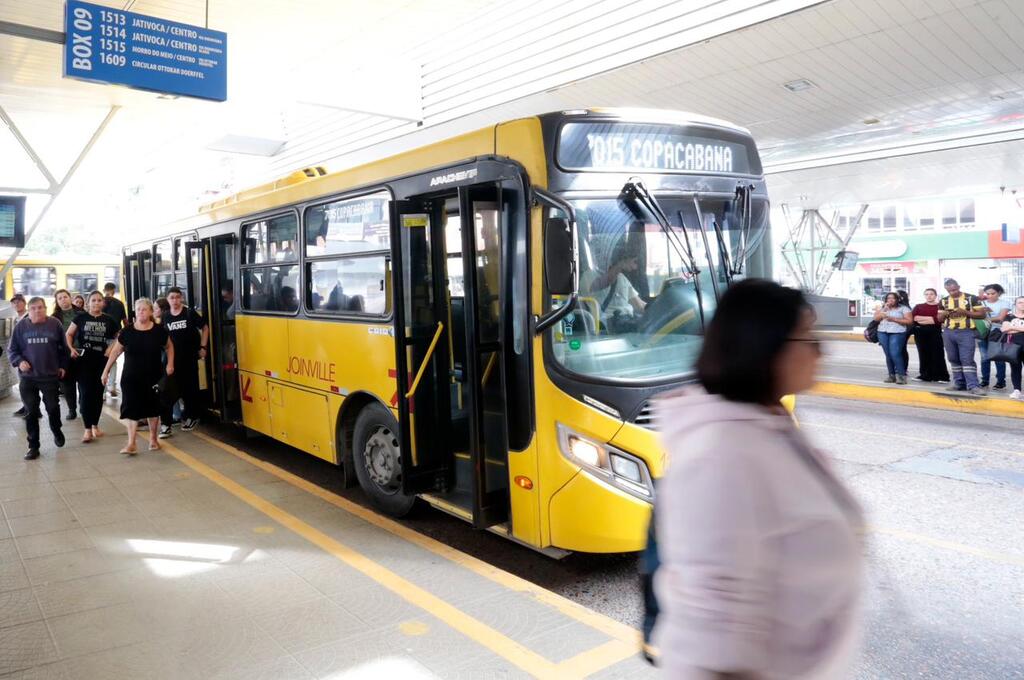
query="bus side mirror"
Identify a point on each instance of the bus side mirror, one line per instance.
(559, 263)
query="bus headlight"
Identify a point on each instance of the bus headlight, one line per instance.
(623, 470)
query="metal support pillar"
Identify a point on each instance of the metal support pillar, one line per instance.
(813, 242)
(55, 187)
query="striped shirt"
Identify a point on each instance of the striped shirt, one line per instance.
(963, 302)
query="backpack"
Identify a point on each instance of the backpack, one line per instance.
(871, 332)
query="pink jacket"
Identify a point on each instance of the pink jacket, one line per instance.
(761, 561)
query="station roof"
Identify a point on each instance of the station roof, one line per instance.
(849, 100)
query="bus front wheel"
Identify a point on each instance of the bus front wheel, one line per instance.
(378, 460)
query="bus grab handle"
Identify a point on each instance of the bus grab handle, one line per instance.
(423, 364)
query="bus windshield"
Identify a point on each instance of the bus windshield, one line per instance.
(646, 291)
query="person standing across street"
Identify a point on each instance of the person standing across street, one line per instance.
(143, 343)
(760, 573)
(957, 312)
(39, 353)
(1013, 327)
(93, 332)
(928, 337)
(894, 319)
(997, 309)
(113, 308)
(20, 312)
(65, 312)
(190, 334)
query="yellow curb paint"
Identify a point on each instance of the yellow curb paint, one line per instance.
(952, 401)
(513, 652)
(414, 628)
(599, 658)
(606, 625)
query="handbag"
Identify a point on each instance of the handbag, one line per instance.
(982, 328)
(1004, 350)
(871, 332)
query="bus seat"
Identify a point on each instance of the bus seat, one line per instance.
(355, 304)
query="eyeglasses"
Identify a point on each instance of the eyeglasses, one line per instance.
(815, 343)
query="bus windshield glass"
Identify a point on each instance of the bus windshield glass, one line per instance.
(646, 289)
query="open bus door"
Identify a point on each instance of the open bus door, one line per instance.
(422, 361)
(210, 266)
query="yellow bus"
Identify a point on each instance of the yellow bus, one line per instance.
(44, 275)
(483, 322)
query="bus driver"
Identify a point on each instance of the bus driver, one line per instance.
(612, 289)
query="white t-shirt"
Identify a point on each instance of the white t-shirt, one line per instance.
(622, 291)
(994, 308)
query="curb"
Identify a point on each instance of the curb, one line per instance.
(853, 336)
(952, 401)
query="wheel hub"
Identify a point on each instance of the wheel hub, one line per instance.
(382, 459)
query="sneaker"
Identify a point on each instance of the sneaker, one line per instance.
(901, 380)
(977, 391)
(189, 424)
(32, 454)
(890, 379)
(58, 439)
(984, 383)
(72, 415)
(999, 386)
(1015, 394)
(21, 412)
(955, 388)
(165, 432)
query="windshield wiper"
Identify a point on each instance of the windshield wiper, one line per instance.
(635, 190)
(743, 202)
(723, 248)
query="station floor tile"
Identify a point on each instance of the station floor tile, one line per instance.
(188, 564)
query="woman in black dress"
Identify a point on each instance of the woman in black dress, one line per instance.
(142, 343)
(89, 338)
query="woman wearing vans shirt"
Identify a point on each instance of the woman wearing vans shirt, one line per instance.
(89, 338)
(928, 338)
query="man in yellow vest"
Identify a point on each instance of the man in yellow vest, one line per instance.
(957, 312)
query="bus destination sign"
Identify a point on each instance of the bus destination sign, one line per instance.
(638, 147)
(108, 45)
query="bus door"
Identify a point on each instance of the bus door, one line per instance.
(423, 366)
(137, 268)
(479, 329)
(197, 296)
(210, 280)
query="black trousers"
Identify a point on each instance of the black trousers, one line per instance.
(930, 353)
(90, 387)
(168, 398)
(186, 380)
(31, 389)
(69, 386)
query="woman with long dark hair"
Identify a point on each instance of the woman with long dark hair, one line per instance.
(89, 338)
(928, 338)
(65, 312)
(894, 320)
(760, 572)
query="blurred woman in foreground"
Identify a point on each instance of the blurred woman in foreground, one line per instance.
(761, 562)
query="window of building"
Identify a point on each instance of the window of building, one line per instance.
(949, 214)
(81, 283)
(348, 243)
(874, 219)
(966, 211)
(927, 216)
(268, 286)
(31, 281)
(889, 218)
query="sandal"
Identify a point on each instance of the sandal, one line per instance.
(87, 437)
(129, 450)
(154, 446)
(97, 433)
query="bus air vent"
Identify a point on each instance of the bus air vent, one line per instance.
(645, 416)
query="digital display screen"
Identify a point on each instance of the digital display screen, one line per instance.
(629, 147)
(12, 221)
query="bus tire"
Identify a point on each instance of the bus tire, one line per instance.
(376, 453)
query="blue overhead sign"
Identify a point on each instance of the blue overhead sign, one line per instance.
(107, 45)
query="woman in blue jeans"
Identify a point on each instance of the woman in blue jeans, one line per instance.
(894, 320)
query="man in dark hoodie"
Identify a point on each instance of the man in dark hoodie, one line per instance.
(40, 354)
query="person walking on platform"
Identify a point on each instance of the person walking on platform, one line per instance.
(113, 308)
(38, 351)
(190, 334)
(1013, 326)
(65, 312)
(997, 309)
(957, 312)
(893, 320)
(168, 396)
(760, 573)
(928, 338)
(20, 312)
(142, 343)
(93, 332)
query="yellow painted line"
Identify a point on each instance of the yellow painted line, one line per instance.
(606, 625)
(510, 650)
(949, 401)
(1016, 560)
(599, 658)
